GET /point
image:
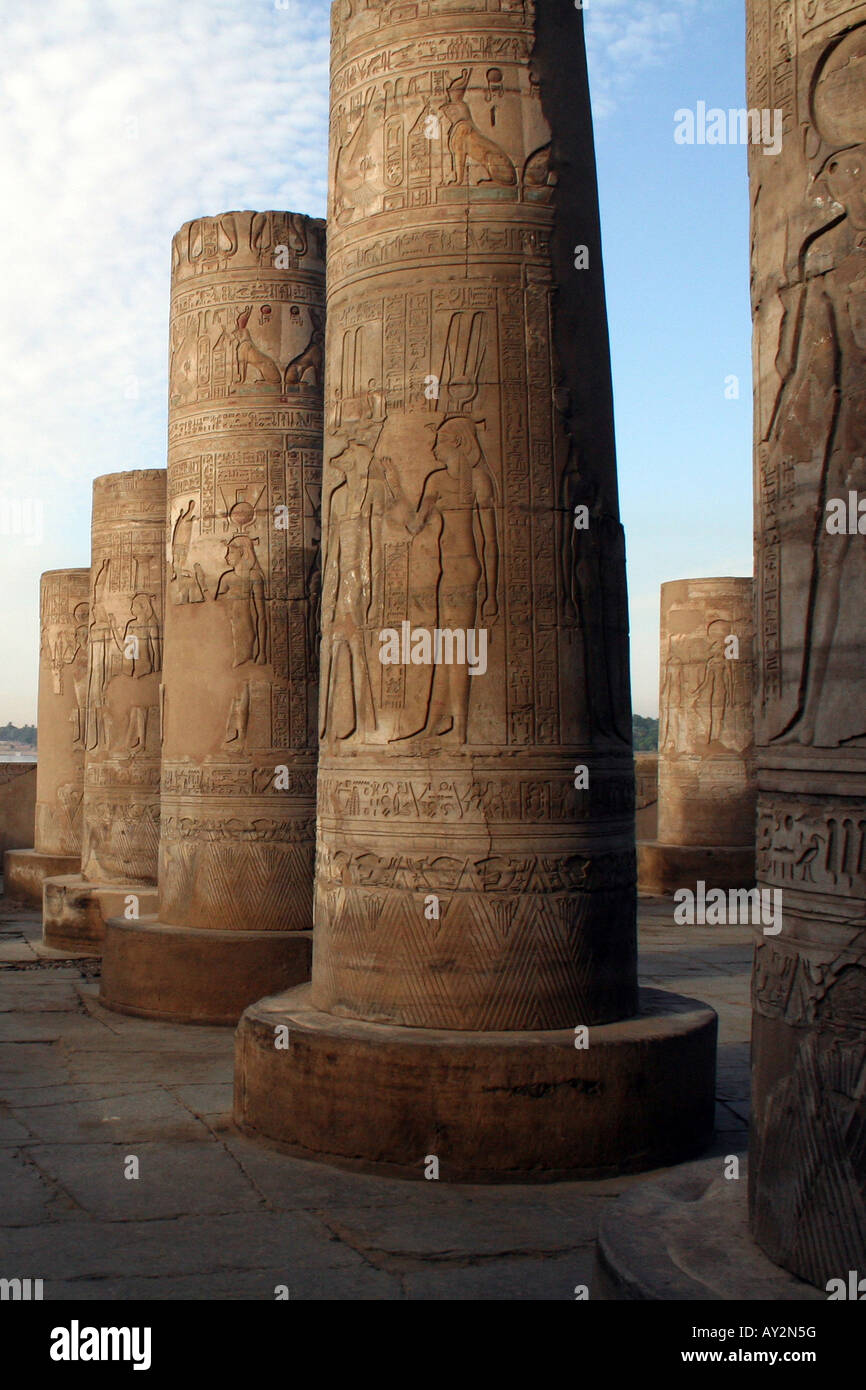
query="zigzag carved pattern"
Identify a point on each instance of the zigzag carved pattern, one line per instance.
(525, 961)
(244, 888)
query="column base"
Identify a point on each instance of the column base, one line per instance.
(687, 1238)
(492, 1107)
(25, 871)
(74, 910)
(192, 975)
(665, 868)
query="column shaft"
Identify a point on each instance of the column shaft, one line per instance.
(463, 880)
(808, 1145)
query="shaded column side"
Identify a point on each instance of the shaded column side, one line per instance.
(807, 1181)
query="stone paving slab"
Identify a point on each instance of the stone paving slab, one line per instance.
(146, 1116)
(214, 1215)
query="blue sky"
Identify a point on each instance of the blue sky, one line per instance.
(120, 121)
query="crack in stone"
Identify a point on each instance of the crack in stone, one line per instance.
(266, 1205)
(408, 1261)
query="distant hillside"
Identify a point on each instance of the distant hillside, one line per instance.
(10, 733)
(646, 734)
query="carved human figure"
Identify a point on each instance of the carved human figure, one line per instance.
(238, 718)
(314, 580)
(187, 585)
(242, 588)
(672, 699)
(354, 512)
(376, 407)
(358, 182)
(459, 492)
(142, 638)
(819, 421)
(104, 649)
(78, 664)
(714, 693)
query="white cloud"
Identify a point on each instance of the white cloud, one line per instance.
(118, 122)
(624, 36)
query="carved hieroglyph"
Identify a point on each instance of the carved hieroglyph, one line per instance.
(64, 623)
(243, 572)
(121, 726)
(808, 1147)
(707, 787)
(470, 488)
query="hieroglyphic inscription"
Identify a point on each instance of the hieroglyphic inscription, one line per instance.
(445, 513)
(244, 575)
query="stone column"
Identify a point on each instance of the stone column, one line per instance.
(807, 1153)
(707, 791)
(684, 1237)
(63, 618)
(240, 688)
(646, 777)
(120, 823)
(473, 892)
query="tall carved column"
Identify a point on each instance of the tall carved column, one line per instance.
(807, 1146)
(63, 620)
(707, 792)
(120, 820)
(808, 1141)
(240, 687)
(475, 649)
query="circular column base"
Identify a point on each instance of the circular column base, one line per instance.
(665, 868)
(491, 1107)
(191, 975)
(687, 1238)
(74, 911)
(25, 871)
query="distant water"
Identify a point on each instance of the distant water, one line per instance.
(17, 757)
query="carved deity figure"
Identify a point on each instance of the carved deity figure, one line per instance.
(818, 430)
(187, 585)
(311, 359)
(249, 356)
(354, 521)
(242, 587)
(142, 639)
(78, 663)
(457, 495)
(672, 700)
(103, 660)
(714, 695)
(466, 142)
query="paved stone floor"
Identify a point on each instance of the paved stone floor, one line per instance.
(215, 1216)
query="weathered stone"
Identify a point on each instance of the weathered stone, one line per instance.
(120, 822)
(240, 688)
(17, 805)
(490, 1105)
(63, 621)
(467, 422)
(646, 778)
(475, 870)
(808, 1157)
(686, 1238)
(707, 789)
